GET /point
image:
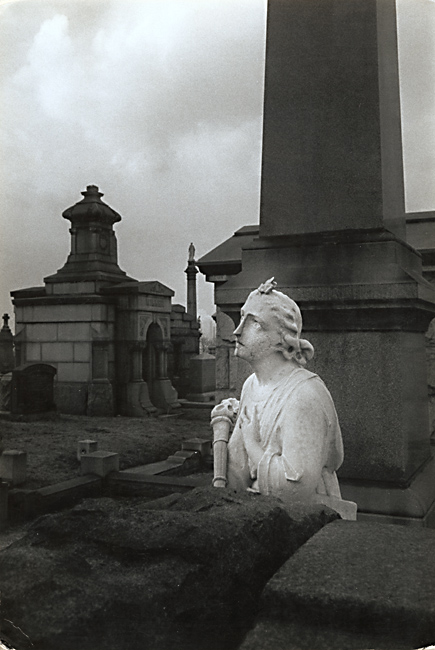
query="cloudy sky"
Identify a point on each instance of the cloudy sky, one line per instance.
(159, 103)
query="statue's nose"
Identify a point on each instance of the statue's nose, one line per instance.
(238, 329)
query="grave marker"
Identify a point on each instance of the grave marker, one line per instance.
(32, 388)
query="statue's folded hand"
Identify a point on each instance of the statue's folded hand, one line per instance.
(228, 408)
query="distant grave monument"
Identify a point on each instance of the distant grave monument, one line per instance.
(32, 389)
(7, 364)
(332, 232)
(107, 334)
(7, 359)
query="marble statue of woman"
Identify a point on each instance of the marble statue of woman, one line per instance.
(286, 439)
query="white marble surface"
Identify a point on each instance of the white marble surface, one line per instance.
(286, 439)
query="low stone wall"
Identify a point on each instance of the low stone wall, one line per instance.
(184, 573)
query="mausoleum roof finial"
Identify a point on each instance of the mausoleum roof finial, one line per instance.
(91, 208)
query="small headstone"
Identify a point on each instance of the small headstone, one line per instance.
(13, 466)
(100, 463)
(86, 447)
(32, 388)
(202, 373)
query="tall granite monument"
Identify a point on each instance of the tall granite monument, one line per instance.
(332, 232)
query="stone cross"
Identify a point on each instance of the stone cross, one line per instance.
(6, 318)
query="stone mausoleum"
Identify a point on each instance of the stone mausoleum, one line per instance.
(110, 337)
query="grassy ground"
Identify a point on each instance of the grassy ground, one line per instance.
(51, 445)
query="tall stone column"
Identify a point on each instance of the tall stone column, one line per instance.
(332, 230)
(191, 272)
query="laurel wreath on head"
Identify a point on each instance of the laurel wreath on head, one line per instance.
(267, 286)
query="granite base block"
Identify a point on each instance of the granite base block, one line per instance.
(100, 463)
(13, 466)
(411, 505)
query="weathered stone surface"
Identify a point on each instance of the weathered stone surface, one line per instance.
(100, 399)
(100, 463)
(273, 634)
(5, 391)
(183, 572)
(430, 356)
(361, 578)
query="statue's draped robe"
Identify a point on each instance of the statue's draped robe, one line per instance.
(301, 438)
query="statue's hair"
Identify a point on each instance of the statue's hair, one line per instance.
(288, 315)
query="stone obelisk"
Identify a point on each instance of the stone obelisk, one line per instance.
(332, 230)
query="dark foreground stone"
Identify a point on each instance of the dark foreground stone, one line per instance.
(353, 585)
(184, 572)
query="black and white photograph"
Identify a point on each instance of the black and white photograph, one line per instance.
(217, 333)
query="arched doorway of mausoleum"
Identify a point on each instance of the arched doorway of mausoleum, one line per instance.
(155, 369)
(152, 362)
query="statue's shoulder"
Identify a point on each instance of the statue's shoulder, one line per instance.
(299, 377)
(248, 385)
(312, 390)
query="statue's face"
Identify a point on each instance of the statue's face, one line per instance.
(258, 334)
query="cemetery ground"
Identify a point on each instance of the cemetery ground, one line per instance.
(51, 444)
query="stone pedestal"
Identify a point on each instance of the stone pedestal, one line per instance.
(86, 447)
(191, 272)
(100, 463)
(13, 466)
(202, 375)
